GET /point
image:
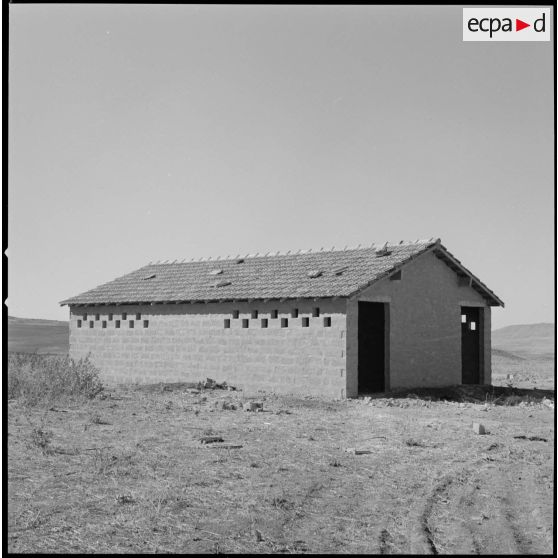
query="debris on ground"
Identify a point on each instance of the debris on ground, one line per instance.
(531, 438)
(478, 428)
(209, 383)
(226, 446)
(226, 405)
(356, 451)
(211, 439)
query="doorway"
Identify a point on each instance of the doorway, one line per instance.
(470, 345)
(372, 340)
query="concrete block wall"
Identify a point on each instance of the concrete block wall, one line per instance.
(188, 342)
(424, 326)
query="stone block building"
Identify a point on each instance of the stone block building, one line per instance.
(337, 323)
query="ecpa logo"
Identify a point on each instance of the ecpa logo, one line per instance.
(506, 24)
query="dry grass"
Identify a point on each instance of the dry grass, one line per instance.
(127, 473)
(40, 380)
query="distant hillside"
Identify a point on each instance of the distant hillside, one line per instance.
(526, 340)
(26, 335)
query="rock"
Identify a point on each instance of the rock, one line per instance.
(478, 428)
(253, 406)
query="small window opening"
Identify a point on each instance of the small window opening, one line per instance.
(473, 326)
(305, 322)
(235, 314)
(396, 276)
(117, 324)
(264, 323)
(138, 316)
(245, 323)
(294, 313)
(85, 317)
(79, 323)
(146, 323)
(274, 314)
(254, 314)
(284, 322)
(124, 315)
(97, 317)
(316, 313)
(463, 318)
(227, 323)
(110, 316)
(91, 324)
(104, 324)
(131, 324)
(327, 322)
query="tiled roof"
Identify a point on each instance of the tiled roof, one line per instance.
(335, 273)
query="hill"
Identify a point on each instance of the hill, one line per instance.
(526, 340)
(27, 335)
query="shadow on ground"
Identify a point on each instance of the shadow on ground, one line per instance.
(496, 395)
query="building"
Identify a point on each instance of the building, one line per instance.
(337, 323)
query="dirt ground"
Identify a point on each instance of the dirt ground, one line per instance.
(128, 473)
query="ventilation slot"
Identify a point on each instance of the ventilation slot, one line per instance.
(131, 324)
(294, 313)
(79, 323)
(227, 323)
(235, 314)
(254, 314)
(284, 322)
(274, 314)
(316, 313)
(327, 322)
(264, 323)
(245, 323)
(104, 324)
(305, 322)
(117, 324)
(145, 324)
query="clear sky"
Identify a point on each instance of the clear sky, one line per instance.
(152, 132)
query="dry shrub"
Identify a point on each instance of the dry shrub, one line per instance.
(36, 379)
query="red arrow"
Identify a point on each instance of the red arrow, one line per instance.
(519, 25)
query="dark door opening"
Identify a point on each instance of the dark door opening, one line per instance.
(371, 347)
(470, 345)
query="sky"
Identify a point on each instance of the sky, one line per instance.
(140, 133)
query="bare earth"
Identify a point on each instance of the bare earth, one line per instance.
(128, 473)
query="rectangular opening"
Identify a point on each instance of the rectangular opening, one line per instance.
(110, 317)
(124, 316)
(235, 314)
(245, 323)
(145, 323)
(254, 314)
(294, 313)
(327, 322)
(104, 324)
(97, 317)
(372, 339)
(264, 323)
(316, 312)
(85, 317)
(79, 323)
(305, 322)
(117, 324)
(131, 324)
(227, 323)
(471, 354)
(138, 316)
(274, 314)
(91, 324)
(284, 322)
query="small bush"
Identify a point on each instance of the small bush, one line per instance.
(37, 379)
